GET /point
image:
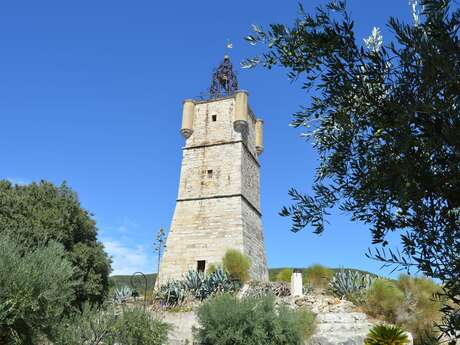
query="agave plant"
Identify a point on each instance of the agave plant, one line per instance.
(350, 284)
(221, 282)
(217, 281)
(386, 335)
(122, 295)
(193, 282)
(172, 293)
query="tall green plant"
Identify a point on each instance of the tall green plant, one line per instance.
(36, 287)
(237, 265)
(420, 311)
(383, 300)
(317, 276)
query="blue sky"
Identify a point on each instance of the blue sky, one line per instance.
(91, 93)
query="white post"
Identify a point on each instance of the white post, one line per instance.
(296, 283)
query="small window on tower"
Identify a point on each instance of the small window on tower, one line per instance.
(201, 265)
(214, 118)
(209, 173)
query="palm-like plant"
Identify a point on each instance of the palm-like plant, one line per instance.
(386, 335)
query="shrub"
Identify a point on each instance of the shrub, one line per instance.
(386, 335)
(36, 286)
(284, 275)
(237, 265)
(91, 326)
(421, 308)
(96, 326)
(211, 268)
(427, 337)
(318, 276)
(383, 300)
(226, 320)
(137, 327)
(408, 302)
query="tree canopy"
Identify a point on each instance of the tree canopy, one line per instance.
(41, 212)
(385, 120)
(36, 287)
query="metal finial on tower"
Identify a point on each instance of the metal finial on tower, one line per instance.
(224, 82)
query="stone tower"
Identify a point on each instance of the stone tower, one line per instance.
(218, 205)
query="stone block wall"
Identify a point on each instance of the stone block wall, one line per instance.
(218, 205)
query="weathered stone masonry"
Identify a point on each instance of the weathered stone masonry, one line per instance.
(218, 204)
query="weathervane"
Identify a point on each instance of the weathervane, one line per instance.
(224, 82)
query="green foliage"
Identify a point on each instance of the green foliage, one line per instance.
(36, 286)
(427, 337)
(386, 335)
(172, 293)
(226, 320)
(195, 284)
(284, 275)
(41, 212)
(211, 268)
(421, 308)
(138, 327)
(218, 282)
(237, 265)
(408, 302)
(317, 276)
(350, 285)
(95, 326)
(91, 326)
(383, 300)
(384, 119)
